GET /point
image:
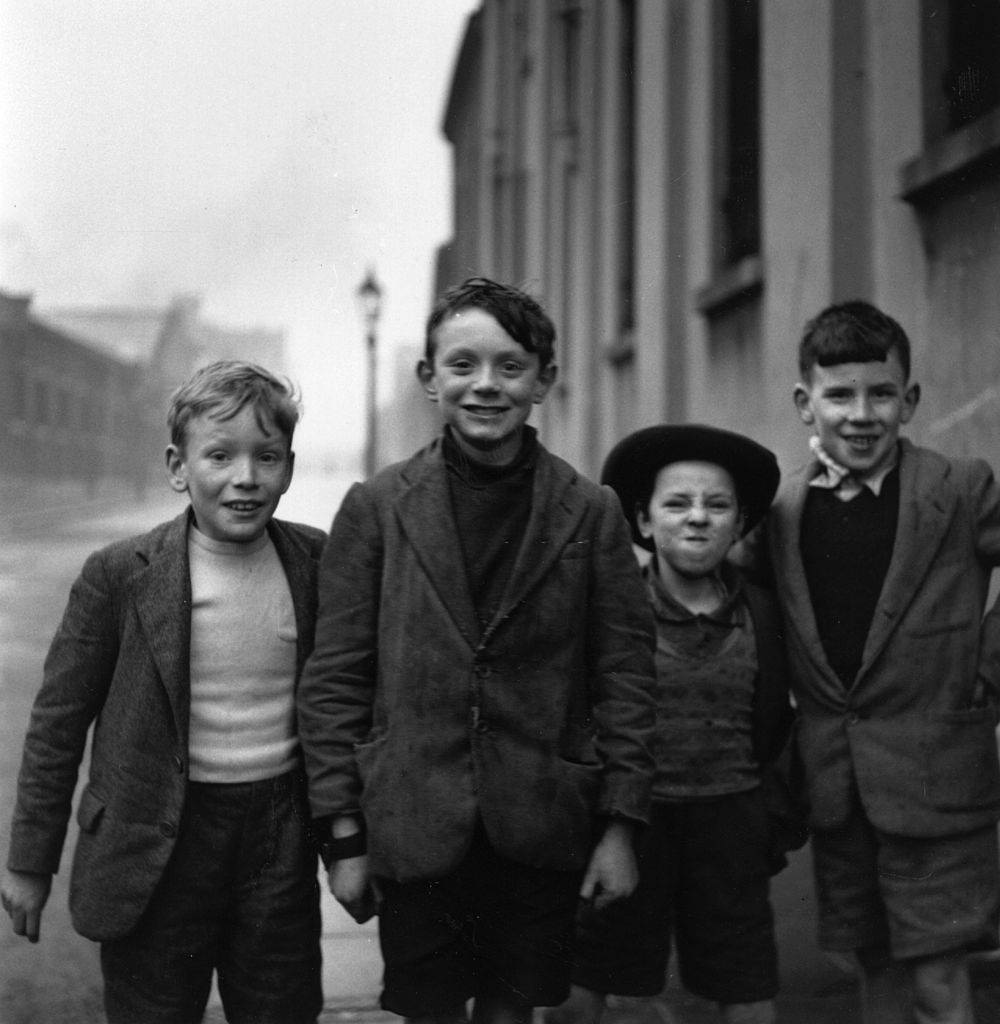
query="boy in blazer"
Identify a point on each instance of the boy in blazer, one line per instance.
(475, 713)
(882, 554)
(182, 648)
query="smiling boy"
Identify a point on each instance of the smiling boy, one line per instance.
(181, 649)
(883, 554)
(475, 714)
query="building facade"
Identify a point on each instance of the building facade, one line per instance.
(684, 183)
(84, 390)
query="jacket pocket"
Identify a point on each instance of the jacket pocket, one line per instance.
(90, 811)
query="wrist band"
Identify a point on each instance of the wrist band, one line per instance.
(344, 848)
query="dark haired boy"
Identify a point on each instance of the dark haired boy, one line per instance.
(475, 713)
(182, 648)
(882, 553)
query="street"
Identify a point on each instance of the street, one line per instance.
(58, 980)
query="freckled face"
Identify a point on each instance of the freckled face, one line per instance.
(234, 472)
(693, 519)
(485, 384)
(857, 409)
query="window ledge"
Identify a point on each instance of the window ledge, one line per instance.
(732, 287)
(944, 166)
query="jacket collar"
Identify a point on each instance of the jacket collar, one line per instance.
(162, 592)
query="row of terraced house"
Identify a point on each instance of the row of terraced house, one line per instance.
(83, 390)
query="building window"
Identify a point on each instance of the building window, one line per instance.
(739, 131)
(961, 46)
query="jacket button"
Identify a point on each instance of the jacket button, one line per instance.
(483, 671)
(852, 719)
(482, 727)
(167, 828)
(179, 763)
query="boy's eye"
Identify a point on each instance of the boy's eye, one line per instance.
(218, 456)
(512, 367)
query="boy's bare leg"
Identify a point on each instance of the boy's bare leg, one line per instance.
(497, 1010)
(761, 1012)
(582, 1006)
(884, 988)
(455, 1016)
(942, 992)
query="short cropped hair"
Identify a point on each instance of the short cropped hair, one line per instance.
(514, 310)
(852, 332)
(222, 389)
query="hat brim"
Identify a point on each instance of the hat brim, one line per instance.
(633, 463)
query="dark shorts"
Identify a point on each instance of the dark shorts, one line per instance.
(914, 897)
(703, 876)
(492, 927)
(239, 896)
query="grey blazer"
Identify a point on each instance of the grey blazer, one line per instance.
(912, 731)
(120, 661)
(533, 726)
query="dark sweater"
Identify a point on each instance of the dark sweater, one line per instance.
(846, 549)
(491, 505)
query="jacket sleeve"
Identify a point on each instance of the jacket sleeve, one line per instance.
(77, 673)
(337, 688)
(621, 642)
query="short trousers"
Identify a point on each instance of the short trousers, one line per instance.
(493, 927)
(704, 876)
(239, 896)
(913, 897)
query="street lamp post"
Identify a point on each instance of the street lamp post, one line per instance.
(370, 303)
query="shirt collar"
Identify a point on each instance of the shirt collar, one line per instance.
(667, 607)
(832, 476)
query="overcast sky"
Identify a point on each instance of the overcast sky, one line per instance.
(260, 153)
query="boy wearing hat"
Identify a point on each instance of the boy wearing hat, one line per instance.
(690, 493)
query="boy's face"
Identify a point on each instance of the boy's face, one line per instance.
(234, 471)
(693, 518)
(857, 409)
(485, 384)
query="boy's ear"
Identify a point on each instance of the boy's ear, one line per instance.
(425, 374)
(801, 398)
(642, 522)
(546, 378)
(176, 469)
(911, 398)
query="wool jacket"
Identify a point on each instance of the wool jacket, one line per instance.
(413, 714)
(914, 731)
(120, 662)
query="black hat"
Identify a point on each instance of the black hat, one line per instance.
(633, 463)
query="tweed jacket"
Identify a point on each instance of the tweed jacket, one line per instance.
(120, 662)
(912, 731)
(411, 713)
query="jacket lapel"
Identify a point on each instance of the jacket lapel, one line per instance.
(786, 536)
(300, 570)
(162, 593)
(925, 509)
(556, 509)
(424, 512)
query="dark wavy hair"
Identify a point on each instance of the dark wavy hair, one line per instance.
(852, 332)
(514, 310)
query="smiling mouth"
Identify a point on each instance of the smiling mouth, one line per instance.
(861, 443)
(484, 410)
(242, 506)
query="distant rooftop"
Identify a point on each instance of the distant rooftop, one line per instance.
(130, 333)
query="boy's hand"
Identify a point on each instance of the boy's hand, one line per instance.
(353, 889)
(612, 873)
(24, 894)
